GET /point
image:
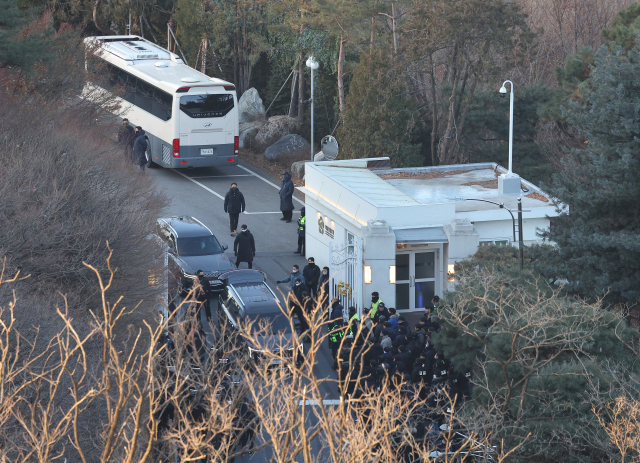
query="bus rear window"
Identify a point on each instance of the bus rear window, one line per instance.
(206, 105)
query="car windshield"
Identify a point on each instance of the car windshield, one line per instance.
(277, 321)
(197, 106)
(199, 246)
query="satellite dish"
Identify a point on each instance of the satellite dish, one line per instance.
(329, 147)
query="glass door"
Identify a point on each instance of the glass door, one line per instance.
(415, 279)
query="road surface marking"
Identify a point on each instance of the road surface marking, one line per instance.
(222, 176)
(266, 181)
(199, 184)
(324, 402)
(245, 212)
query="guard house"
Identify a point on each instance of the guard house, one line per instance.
(400, 231)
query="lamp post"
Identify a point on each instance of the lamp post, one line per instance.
(313, 65)
(513, 221)
(503, 93)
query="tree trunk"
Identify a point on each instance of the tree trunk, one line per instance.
(204, 53)
(300, 90)
(98, 20)
(294, 94)
(449, 133)
(393, 28)
(434, 118)
(341, 74)
(373, 33)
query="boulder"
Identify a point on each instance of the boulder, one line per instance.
(274, 129)
(297, 169)
(250, 107)
(287, 146)
(248, 130)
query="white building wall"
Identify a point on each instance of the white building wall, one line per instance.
(421, 215)
(503, 229)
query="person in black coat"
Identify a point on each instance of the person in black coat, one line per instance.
(323, 286)
(126, 136)
(244, 247)
(286, 197)
(311, 274)
(140, 148)
(234, 206)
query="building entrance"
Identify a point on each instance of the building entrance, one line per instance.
(415, 279)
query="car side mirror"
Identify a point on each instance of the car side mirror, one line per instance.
(225, 247)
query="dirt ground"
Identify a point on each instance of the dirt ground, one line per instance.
(273, 168)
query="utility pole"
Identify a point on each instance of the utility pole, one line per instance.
(520, 237)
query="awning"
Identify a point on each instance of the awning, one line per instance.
(420, 235)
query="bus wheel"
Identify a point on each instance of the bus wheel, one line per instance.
(150, 163)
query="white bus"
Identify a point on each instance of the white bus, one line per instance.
(191, 119)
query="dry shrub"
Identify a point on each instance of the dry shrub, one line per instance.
(67, 190)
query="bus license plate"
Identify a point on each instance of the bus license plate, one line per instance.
(206, 152)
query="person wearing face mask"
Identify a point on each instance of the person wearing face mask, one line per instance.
(291, 279)
(297, 301)
(234, 206)
(311, 273)
(244, 247)
(323, 287)
(375, 302)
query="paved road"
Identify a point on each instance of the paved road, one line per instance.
(200, 193)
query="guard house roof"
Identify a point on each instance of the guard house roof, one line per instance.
(158, 65)
(436, 185)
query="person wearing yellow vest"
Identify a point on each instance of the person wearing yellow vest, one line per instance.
(354, 319)
(375, 303)
(301, 226)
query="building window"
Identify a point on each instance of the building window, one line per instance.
(496, 242)
(351, 244)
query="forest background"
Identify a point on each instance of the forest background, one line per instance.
(413, 80)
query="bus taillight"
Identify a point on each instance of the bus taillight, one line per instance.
(236, 145)
(229, 87)
(176, 147)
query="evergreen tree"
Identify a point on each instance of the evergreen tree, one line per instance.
(487, 132)
(379, 120)
(15, 48)
(538, 358)
(598, 230)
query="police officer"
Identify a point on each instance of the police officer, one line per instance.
(335, 336)
(203, 294)
(375, 302)
(354, 319)
(422, 372)
(301, 226)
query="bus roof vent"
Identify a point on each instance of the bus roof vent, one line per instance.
(190, 79)
(141, 51)
(161, 64)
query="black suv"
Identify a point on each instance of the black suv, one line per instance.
(247, 299)
(192, 247)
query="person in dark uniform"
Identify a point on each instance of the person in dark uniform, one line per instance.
(140, 148)
(203, 295)
(311, 274)
(301, 229)
(286, 197)
(126, 136)
(244, 247)
(234, 206)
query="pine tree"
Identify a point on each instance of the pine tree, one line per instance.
(538, 358)
(379, 120)
(598, 230)
(15, 48)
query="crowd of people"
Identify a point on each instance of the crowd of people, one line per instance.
(384, 347)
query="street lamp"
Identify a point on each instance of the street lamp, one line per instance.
(509, 183)
(503, 93)
(513, 221)
(313, 65)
